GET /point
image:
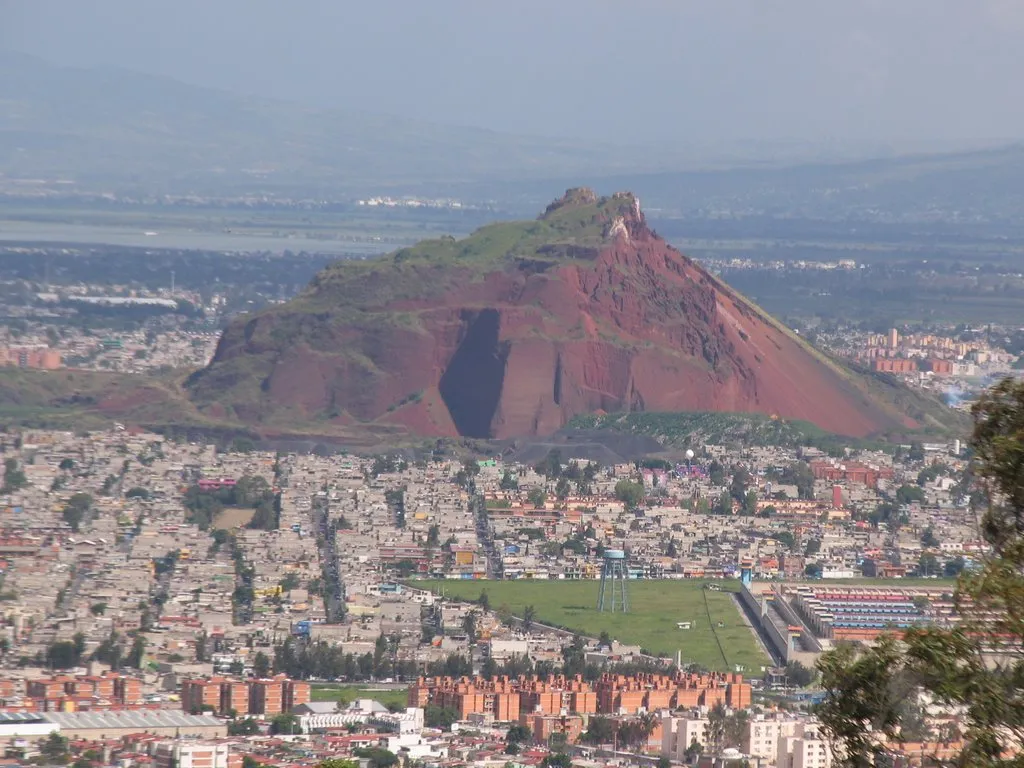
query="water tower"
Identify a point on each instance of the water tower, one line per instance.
(613, 596)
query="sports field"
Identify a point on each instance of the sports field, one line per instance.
(718, 638)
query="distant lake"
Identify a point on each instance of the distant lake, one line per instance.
(180, 239)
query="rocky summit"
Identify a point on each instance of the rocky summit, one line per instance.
(517, 328)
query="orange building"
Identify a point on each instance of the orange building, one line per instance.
(555, 695)
(30, 357)
(253, 697)
(850, 472)
(893, 365)
(266, 697)
(543, 727)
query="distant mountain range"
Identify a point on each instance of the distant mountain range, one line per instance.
(115, 127)
(111, 129)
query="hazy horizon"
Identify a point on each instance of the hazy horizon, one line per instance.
(916, 74)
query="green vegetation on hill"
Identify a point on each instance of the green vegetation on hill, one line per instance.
(718, 639)
(573, 228)
(695, 428)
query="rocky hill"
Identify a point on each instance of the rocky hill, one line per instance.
(518, 328)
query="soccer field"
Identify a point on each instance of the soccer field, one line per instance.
(718, 638)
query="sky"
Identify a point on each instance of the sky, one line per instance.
(628, 70)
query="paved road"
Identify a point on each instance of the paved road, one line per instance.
(334, 587)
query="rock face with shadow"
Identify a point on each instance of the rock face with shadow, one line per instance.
(519, 327)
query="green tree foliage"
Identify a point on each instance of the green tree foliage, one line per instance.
(556, 760)
(508, 481)
(439, 717)
(873, 693)
(799, 675)
(907, 494)
(63, 654)
(551, 465)
(246, 726)
(629, 493)
(785, 538)
(14, 476)
(76, 509)
(54, 749)
(529, 615)
(261, 665)
(285, 723)
(537, 497)
(338, 762)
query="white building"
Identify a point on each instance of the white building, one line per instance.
(677, 733)
(805, 749)
(191, 755)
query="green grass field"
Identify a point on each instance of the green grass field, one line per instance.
(656, 607)
(346, 694)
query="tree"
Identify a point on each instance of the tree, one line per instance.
(928, 538)
(629, 493)
(907, 494)
(508, 481)
(750, 503)
(261, 665)
(716, 726)
(693, 751)
(813, 547)
(516, 735)
(66, 465)
(138, 652)
(872, 693)
(245, 727)
(600, 730)
(439, 717)
(54, 749)
(562, 489)
(484, 601)
(76, 509)
(813, 570)
(337, 762)
(537, 497)
(469, 626)
(529, 614)
(738, 487)
(953, 567)
(63, 655)
(928, 565)
(285, 723)
(785, 538)
(14, 477)
(557, 760)
(799, 675)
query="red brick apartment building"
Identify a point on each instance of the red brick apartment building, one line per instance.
(850, 472)
(253, 697)
(894, 365)
(69, 692)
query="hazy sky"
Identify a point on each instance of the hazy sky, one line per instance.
(629, 69)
